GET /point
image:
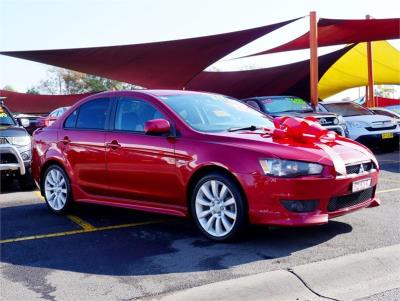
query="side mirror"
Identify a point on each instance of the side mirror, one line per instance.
(24, 122)
(157, 126)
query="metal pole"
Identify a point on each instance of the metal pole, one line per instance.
(313, 59)
(370, 100)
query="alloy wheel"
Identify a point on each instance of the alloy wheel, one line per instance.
(216, 208)
(55, 187)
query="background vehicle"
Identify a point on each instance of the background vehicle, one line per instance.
(387, 112)
(15, 149)
(364, 126)
(49, 119)
(32, 121)
(294, 106)
(197, 154)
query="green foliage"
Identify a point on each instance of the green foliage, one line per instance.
(9, 88)
(63, 81)
(32, 90)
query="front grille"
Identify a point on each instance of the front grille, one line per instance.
(355, 168)
(3, 140)
(7, 158)
(350, 200)
(371, 129)
(326, 120)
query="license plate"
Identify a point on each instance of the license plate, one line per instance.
(387, 135)
(361, 185)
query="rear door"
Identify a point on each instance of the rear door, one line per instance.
(82, 141)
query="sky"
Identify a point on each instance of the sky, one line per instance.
(52, 24)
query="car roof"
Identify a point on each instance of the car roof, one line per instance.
(336, 101)
(151, 92)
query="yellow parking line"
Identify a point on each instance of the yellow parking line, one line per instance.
(388, 190)
(66, 233)
(77, 220)
(37, 192)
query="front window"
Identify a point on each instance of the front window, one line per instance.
(215, 113)
(132, 115)
(285, 104)
(5, 118)
(347, 109)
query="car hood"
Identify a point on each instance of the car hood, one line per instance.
(368, 118)
(12, 131)
(267, 146)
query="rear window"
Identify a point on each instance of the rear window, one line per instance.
(93, 114)
(347, 109)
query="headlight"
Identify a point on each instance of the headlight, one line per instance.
(22, 140)
(341, 119)
(358, 124)
(289, 168)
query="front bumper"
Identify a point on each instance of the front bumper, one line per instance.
(19, 165)
(265, 196)
(376, 139)
(337, 129)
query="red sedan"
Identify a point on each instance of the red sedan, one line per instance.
(200, 155)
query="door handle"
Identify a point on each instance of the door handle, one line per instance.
(113, 145)
(66, 140)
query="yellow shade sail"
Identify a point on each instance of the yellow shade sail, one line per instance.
(351, 70)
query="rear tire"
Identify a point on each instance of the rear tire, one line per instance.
(57, 189)
(218, 207)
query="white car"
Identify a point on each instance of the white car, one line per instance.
(363, 125)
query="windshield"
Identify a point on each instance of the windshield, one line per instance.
(395, 109)
(347, 109)
(5, 117)
(215, 113)
(283, 104)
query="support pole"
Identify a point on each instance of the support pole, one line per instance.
(313, 59)
(370, 99)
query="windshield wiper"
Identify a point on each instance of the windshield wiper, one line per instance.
(247, 128)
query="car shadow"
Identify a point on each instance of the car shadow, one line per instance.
(388, 161)
(173, 246)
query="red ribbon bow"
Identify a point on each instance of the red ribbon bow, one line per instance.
(301, 130)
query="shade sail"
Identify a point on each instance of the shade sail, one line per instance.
(351, 70)
(169, 64)
(291, 79)
(337, 32)
(384, 102)
(38, 104)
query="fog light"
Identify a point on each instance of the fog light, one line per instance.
(26, 156)
(300, 206)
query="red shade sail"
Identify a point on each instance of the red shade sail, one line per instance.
(337, 32)
(38, 104)
(169, 64)
(291, 79)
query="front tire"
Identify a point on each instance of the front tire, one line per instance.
(57, 189)
(218, 207)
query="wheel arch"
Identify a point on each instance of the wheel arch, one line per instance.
(45, 166)
(204, 170)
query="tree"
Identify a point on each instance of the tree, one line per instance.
(32, 90)
(9, 88)
(63, 81)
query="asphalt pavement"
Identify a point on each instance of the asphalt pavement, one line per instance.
(101, 253)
